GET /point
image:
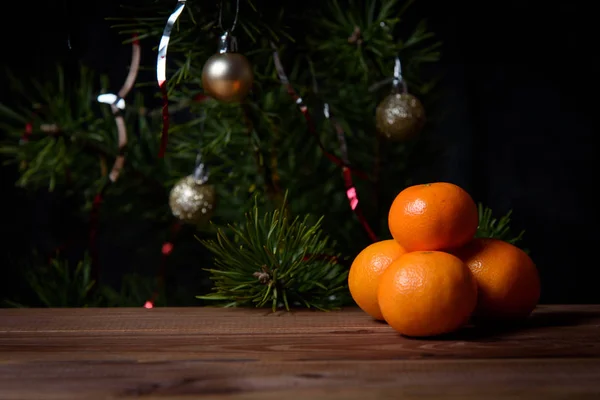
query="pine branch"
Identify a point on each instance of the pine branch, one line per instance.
(490, 227)
(275, 261)
(60, 285)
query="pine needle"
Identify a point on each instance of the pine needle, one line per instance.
(490, 227)
(275, 260)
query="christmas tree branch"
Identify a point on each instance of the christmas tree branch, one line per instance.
(94, 149)
(275, 261)
(490, 227)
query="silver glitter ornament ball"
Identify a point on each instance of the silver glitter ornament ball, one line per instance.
(192, 201)
(400, 116)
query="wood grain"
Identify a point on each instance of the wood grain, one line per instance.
(197, 353)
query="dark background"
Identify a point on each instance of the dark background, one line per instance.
(520, 90)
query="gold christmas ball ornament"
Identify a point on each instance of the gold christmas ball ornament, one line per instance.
(227, 77)
(192, 201)
(400, 116)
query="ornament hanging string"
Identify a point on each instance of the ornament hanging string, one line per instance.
(344, 163)
(117, 105)
(235, 18)
(161, 74)
(68, 16)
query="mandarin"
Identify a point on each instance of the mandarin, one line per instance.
(507, 278)
(434, 216)
(427, 293)
(365, 271)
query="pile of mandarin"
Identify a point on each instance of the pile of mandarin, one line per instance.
(434, 276)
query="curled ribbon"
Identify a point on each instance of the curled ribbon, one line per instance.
(344, 163)
(117, 104)
(161, 74)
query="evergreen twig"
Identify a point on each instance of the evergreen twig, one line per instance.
(275, 261)
(59, 285)
(490, 227)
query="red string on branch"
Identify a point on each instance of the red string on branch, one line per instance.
(347, 172)
(164, 137)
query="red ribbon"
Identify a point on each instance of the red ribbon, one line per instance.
(351, 193)
(164, 137)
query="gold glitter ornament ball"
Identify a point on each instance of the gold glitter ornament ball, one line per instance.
(400, 116)
(192, 201)
(227, 77)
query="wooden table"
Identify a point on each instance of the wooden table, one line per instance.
(198, 353)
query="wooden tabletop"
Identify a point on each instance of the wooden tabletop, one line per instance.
(198, 353)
